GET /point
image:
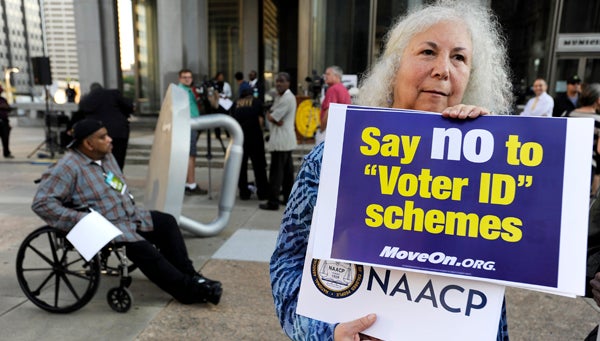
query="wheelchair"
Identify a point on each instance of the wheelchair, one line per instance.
(56, 278)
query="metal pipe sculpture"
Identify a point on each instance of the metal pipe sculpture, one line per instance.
(168, 162)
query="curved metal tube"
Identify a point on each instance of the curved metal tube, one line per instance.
(231, 173)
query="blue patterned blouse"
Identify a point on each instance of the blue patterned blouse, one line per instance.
(288, 258)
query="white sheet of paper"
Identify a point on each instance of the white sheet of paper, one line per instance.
(225, 103)
(406, 303)
(91, 233)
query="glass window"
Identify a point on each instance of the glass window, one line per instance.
(271, 44)
(580, 16)
(526, 26)
(341, 35)
(146, 56)
(126, 56)
(565, 68)
(592, 70)
(224, 38)
(387, 12)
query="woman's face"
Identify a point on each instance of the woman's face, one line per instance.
(435, 68)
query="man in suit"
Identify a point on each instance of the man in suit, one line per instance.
(257, 85)
(110, 107)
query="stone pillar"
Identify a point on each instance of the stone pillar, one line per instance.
(304, 45)
(182, 39)
(97, 43)
(170, 41)
(250, 38)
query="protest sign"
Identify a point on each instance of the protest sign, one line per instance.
(407, 304)
(497, 198)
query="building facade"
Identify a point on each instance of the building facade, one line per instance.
(59, 26)
(21, 39)
(552, 39)
(36, 28)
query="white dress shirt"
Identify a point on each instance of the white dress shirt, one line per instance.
(539, 106)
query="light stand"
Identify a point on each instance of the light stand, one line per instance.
(49, 140)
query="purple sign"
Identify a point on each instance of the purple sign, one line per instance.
(475, 197)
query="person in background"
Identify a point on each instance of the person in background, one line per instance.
(70, 93)
(336, 93)
(186, 79)
(224, 90)
(282, 143)
(242, 84)
(589, 106)
(110, 107)
(5, 127)
(542, 104)
(565, 102)
(88, 176)
(447, 58)
(248, 112)
(222, 86)
(257, 85)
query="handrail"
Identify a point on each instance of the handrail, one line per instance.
(231, 173)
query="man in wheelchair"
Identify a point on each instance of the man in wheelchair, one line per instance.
(88, 176)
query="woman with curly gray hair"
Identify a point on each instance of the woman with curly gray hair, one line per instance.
(446, 58)
(488, 83)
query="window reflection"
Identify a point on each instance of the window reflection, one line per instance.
(225, 53)
(146, 56)
(580, 16)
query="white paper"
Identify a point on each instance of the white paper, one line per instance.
(91, 233)
(225, 103)
(401, 318)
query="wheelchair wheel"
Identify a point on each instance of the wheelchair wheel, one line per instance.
(119, 299)
(53, 275)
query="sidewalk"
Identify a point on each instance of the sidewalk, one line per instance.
(238, 257)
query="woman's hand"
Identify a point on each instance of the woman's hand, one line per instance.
(350, 331)
(463, 111)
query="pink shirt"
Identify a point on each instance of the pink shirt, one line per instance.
(336, 93)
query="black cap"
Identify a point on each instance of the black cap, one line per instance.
(574, 80)
(83, 129)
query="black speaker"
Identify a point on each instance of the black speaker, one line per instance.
(41, 70)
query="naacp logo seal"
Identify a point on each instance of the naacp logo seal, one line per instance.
(336, 279)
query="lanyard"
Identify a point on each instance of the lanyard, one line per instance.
(113, 180)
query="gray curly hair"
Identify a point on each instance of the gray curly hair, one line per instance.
(488, 85)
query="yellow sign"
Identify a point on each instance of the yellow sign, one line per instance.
(307, 118)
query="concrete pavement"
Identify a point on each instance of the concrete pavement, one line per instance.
(238, 257)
